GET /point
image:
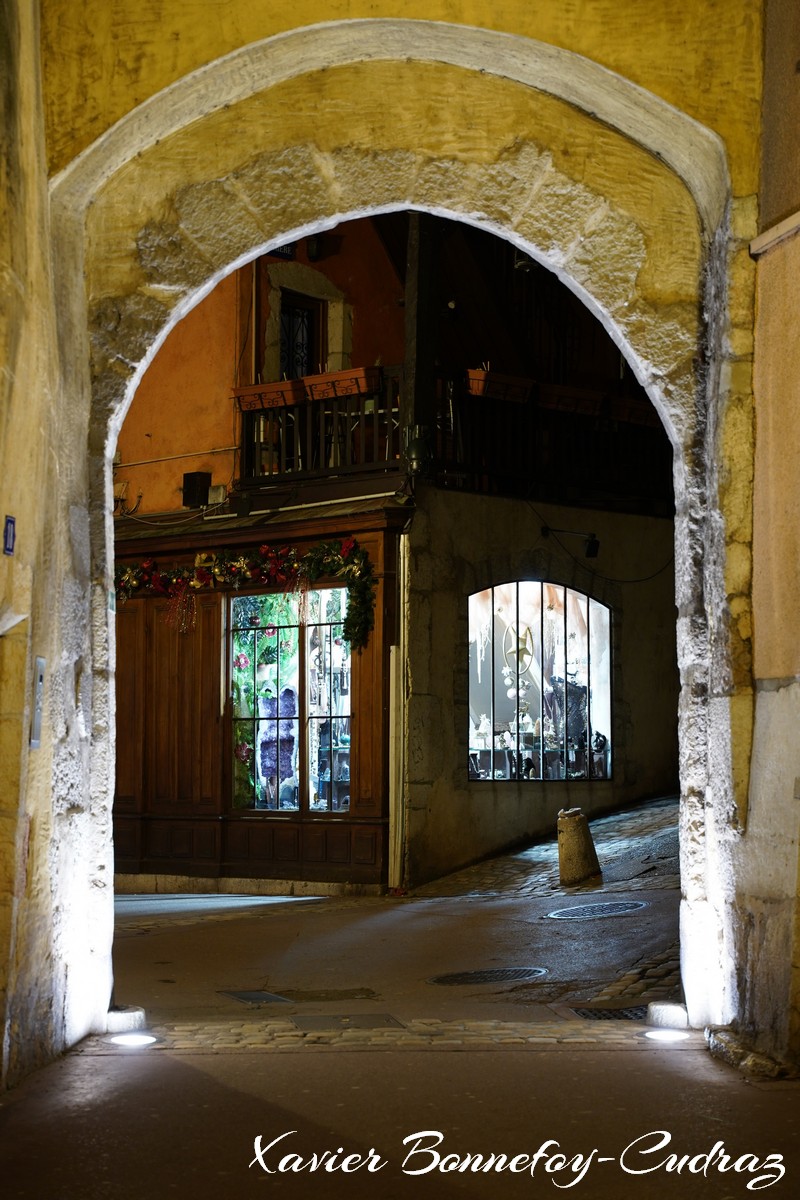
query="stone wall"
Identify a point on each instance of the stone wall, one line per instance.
(616, 143)
(460, 544)
(621, 195)
(55, 861)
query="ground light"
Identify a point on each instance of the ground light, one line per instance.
(137, 1039)
(667, 1035)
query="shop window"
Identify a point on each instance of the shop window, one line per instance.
(290, 673)
(539, 683)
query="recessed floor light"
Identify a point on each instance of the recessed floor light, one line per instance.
(133, 1039)
(667, 1035)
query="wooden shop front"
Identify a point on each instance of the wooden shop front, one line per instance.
(252, 723)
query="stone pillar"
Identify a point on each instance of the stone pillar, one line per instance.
(577, 858)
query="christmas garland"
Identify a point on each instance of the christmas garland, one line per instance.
(280, 569)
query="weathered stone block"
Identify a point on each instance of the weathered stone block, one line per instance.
(560, 210)
(168, 257)
(385, 177)
(217, 222)
(607, 259)
(446, 184)
(510, 187)
(286, 189)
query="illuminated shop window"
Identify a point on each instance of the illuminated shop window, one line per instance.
(290, 672)
(539, 683)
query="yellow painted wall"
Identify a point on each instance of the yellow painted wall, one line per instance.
(44, 880)
(780, 187)
(776, 535)
(106, 56)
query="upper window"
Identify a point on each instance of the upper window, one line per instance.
(302, 335)
(539, 683)
(290, 685)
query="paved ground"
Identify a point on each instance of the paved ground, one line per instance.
(357, 971)
(349, 1046)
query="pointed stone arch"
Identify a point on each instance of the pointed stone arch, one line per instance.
(621, 195)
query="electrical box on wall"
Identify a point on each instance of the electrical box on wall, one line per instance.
(38, 700)
(196, 486)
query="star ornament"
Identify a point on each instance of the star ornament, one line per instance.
(519, 648)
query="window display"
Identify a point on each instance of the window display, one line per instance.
(539, 683)
(290, 671)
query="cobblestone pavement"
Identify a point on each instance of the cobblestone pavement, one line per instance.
(534, 871)
(637, 851)
(275, 1036)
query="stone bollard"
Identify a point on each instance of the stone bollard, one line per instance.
(577, 859)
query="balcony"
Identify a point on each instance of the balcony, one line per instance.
(487, 433)
(341, 423)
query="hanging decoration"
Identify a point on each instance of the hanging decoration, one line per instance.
(281, 569)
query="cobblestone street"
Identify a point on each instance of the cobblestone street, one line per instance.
(313, 1024)
(637, 851)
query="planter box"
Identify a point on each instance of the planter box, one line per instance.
(354, 381)
(498, 387)
(271, 395)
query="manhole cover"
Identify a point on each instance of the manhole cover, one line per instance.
(348, 1021)
(496, 975)
(586, 912)
(612, 1014)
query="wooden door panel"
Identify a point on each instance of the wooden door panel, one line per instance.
(183, 722)
(206, 731)
(130, 683)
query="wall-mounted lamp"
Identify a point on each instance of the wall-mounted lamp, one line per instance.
(418, 450)
(592, 544)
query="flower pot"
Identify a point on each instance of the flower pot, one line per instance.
(498, 387)
(354, 381)
(271, 395)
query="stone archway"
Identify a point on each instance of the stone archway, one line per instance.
(619, 194)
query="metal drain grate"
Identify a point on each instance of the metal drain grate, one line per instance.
(316, 1024)
(257, 997)
(612, 1014)
(495, 975)
(587, 912)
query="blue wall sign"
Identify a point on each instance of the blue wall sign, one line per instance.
(9, 535)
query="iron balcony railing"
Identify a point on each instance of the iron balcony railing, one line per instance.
(339, 423)
(487, 433)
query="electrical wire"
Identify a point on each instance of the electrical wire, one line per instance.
(183, 520)
(581, 562)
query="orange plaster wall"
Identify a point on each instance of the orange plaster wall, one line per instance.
(184, 404)
(363, 272)
(352, 257)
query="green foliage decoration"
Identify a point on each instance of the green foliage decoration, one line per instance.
(279, 569)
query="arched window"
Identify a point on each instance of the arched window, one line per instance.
(539, 683)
